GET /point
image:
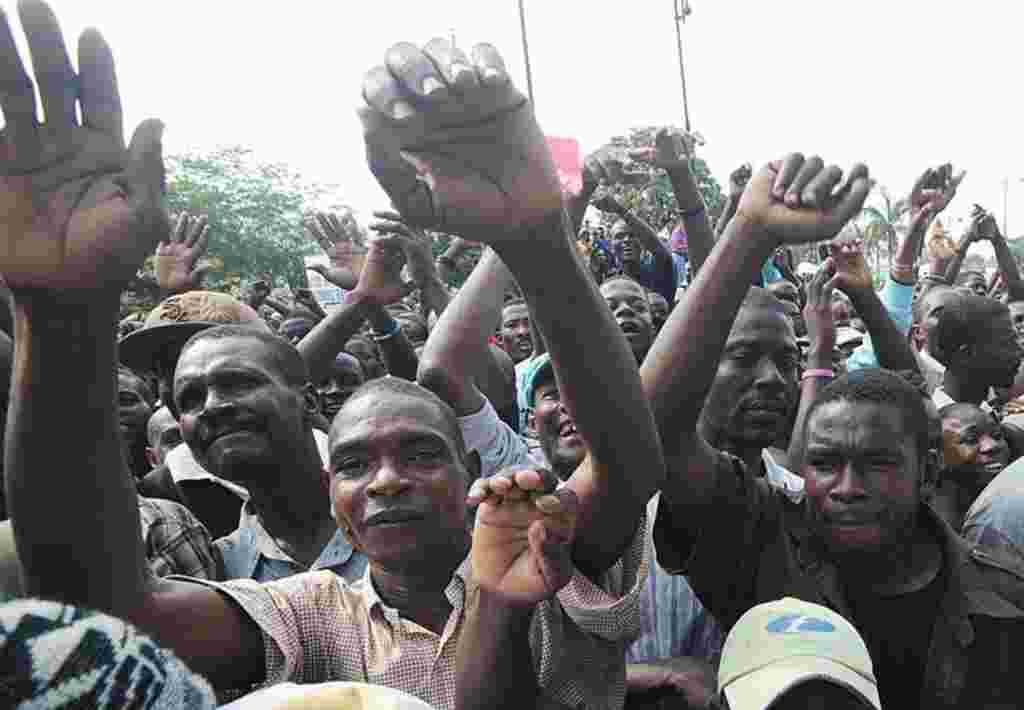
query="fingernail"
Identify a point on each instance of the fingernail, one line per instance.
(461, 73)
(402, 109)
(432, 86)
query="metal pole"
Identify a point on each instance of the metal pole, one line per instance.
(679, 17)
(526, 54)
(1006, 192)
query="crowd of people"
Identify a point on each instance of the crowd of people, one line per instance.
(628, 465)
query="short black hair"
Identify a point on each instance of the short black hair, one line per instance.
(884, 388)
(623, 277)
(289, 363)
(963, 320)
(404, 388)
(144, 388)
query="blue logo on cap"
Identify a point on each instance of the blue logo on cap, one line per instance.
(798, 623)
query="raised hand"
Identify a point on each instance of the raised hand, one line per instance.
(821, 326)
(932, 193)
(415, 245)
(850, 266)
(667, 153)
(380, 282)
(522, 541)
(738, 180)
(796, 200)
(454, 144)
(79, 212)
(606, 202)
(983, 224)
(177, 257)
(940, 244)
(343, 246)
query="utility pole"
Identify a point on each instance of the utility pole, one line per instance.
(680, 9)
(526, 55)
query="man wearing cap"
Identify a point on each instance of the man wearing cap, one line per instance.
(794, 655)
(942, 624)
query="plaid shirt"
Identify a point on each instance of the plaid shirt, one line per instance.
(176, 543)
(318, 628)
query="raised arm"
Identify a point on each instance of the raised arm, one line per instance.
(738, 180)
(488, 176)
(639, 228)
(457, 348)
(81, 213)
(788, 201)
(415, 244)
(853, 277)
(988, 229)
(699, 236)
(953, 270)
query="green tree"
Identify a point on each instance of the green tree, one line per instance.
(255, 211)
(881, 223)
(647, 191)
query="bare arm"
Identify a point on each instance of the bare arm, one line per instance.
(1007, 264)
(683, 361)
(457, 347)
(699, 237)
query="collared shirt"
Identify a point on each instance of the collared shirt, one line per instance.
(317, 627)
(673, 622)
(754, 546)
(175, 542)
(250, 552)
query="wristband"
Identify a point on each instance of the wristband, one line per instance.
(390, 332)
(818, 372)
(690, 214)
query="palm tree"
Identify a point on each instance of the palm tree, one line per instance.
(882, 221)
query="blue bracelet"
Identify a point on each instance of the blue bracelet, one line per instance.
(690, 214)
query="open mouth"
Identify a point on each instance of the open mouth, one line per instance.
(567, 429)
(629, 327)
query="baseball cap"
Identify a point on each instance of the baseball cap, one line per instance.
(178, 318)
(539, 366)
(776, 646)
(338, 695)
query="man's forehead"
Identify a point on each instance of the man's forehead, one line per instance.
(221, 352)
(366, 415)
(846, 422)
(619, 287)
(516, 311)
(764, 324)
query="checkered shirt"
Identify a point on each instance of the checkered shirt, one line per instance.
(176, 542)
(318, 628)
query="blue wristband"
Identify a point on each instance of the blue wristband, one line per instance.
(390, 332)
(690, 214)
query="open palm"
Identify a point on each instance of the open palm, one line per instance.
(80, 212)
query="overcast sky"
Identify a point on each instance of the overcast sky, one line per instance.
(900, 85)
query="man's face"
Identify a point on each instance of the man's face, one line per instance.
(996, 354)
(237, 412)
(345, 378)
(515, 332)
(753, 396)
(164, 434)
(133, 411)
(628, 303)
(1017, 318)
(397, 483)
(863, 476)
(627, 245)
(369, 358)
(561, 442)
(840, 312)
(974, 448)
(659, 310)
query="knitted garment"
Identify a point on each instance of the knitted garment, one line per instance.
(59, 656)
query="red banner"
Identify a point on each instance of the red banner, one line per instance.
(566, 154)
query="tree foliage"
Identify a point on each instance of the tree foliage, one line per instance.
(648, 192)
(255, 211)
